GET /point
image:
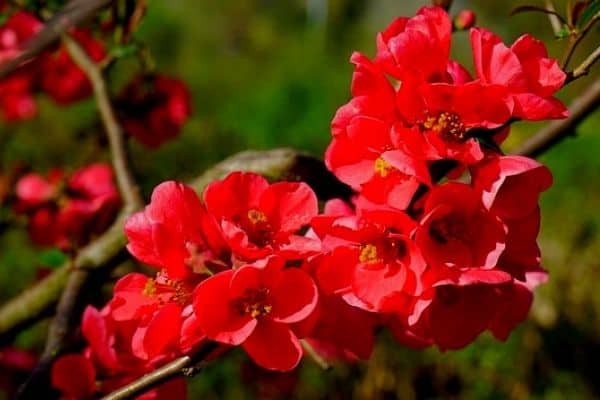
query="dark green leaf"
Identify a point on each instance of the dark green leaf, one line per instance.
(53, 258)
(592, 9)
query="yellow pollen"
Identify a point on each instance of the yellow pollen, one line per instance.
(256, 216)
(368, 254)
(382, 167)
(448, 125)
(257, 309)
(149, 289)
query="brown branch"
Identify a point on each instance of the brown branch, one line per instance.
(584, 68)
(556, 20)
(125, 181)
(72, 14)
(557, 131)
(175, 368)
(574, 42)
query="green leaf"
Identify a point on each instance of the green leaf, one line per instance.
(124, 50)
(592, 9)
(53, 258)
(563, 33)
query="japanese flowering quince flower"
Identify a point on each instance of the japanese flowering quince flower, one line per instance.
(253, 306)
(154, 108)
(16, 90)
(67, 211)
(175, 232)
(524, 69)
(259, 219)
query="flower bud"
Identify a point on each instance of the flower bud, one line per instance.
(464, 20)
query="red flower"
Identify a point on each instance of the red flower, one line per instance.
(465, 19)
(416, 47)
(68, 211)
(16, 99)
(458, 234)
(458, 314)
(511, 185)
(155, 108)
(524, 69)
(341, 331)
(61, 78)
(373, 262)
(174, 232)
(75, 376)
(258, 219)
(448, 114)
(253, 307)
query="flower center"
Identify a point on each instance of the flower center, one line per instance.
(368, 253)
(382, 167)
(254, 302)
(448, 125)
(255, 216)
(442, 230)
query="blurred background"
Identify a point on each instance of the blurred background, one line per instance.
(268, 73)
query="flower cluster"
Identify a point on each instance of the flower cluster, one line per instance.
(53, 73)
(254, 264)
(154, 108)
(67, 211)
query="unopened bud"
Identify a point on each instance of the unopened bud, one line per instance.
(464, 20)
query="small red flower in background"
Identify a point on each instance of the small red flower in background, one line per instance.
(15, 365)
(67, 211)
(16, 90)
(61, 78)
(254, 306)
(154, 108)
(258, 219)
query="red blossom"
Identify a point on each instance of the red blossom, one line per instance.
(155, 108)
(524, 69)
(61, 78)
(68, 211)
(457, 233)
(254, 306)
(259, 219)
(175, 232)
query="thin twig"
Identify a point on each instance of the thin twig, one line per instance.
(557, 131)
(161, 375)
(574, 42)
(316, 357)
(553, 17)
(125, 181)
(584, 68)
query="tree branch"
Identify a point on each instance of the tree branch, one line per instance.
(168, 371)
(577, 39)
(125, 181)
(556, 131)
(584, 68)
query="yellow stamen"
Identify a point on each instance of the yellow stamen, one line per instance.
(256, 216)
(368, 254)
(382, 167)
